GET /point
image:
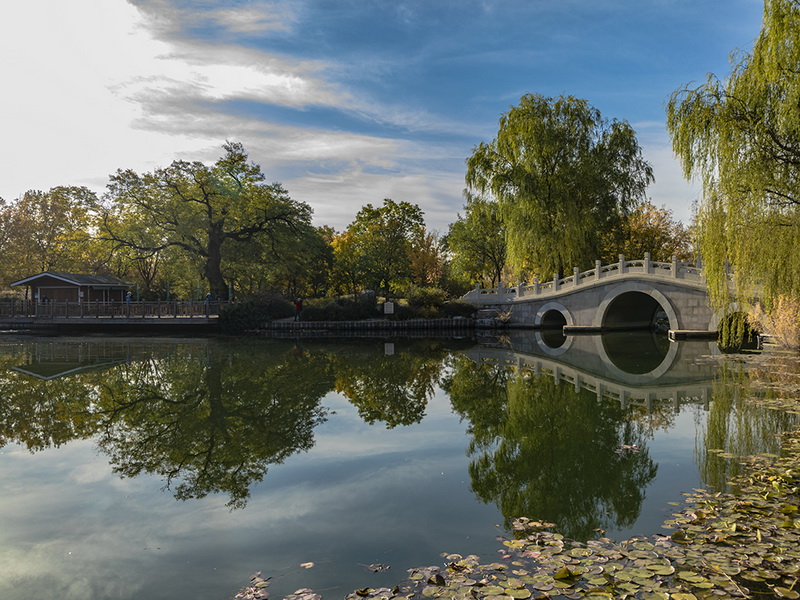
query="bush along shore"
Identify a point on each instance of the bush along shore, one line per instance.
(741, 543)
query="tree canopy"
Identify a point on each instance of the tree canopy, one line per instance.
(376, 249)
(477, 241)
(206, 211)
(562, 175)
(741, 137)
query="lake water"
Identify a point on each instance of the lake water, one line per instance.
(158, 469)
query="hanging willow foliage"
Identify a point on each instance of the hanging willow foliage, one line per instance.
(741, 137)
(563, 176)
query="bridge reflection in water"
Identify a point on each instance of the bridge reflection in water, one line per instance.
(634, 368)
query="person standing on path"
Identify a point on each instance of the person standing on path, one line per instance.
(298, 306)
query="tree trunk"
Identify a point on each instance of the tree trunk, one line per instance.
(213, 269)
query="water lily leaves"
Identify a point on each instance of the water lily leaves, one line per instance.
(720, 545)
(683, 596)
(304, 594)
(376, 568)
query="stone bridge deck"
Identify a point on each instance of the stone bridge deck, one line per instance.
(628, 294)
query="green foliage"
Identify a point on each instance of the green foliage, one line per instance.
(251, 314)
(539, 448)
(561, 174)
(741, 138)
(50, 231)
(392, 389)
(375, 252)
(477, 242)
(457, 308)
(211, 214)
(341, 309)
(425, 297)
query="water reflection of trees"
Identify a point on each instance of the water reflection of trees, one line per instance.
(213, 424)
(211, 417)
(393, 388)
(547, 451)
(736, 425)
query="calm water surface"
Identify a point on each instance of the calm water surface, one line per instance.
(139, 468)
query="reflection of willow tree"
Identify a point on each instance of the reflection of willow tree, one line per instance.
(737, 426)
(214, 423)
(550, 452)
(391, 388)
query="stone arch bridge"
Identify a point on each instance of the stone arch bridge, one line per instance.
(628, 294)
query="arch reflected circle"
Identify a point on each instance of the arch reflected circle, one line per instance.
(636, 352)
(633, 310)
(550, 320)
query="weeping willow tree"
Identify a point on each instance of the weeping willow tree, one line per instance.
(563, 177)
(741, 138)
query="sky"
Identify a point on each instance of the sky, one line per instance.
(344, 102)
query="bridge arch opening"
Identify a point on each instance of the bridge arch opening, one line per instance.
(635, 310)
(552, 328)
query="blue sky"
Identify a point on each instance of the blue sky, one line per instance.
(345, 102)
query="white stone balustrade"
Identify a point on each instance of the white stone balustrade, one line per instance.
(675, 269)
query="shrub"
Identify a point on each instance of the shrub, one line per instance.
(251, 314)
(458, 308)
(425, 297)
(341, 309)
(782, 322)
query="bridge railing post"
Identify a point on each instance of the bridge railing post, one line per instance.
(598, 264)
(646, 263)
(520, 289)
(536, 289)
(621, 264)
(555, 282)
(675, 267)
(575, 276)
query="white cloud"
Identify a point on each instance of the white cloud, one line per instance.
(670, 189)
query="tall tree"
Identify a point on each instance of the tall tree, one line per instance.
(741, 137)
(562, 175)
(50, 231)
(203, 210)
(477, 241)
(380, 241)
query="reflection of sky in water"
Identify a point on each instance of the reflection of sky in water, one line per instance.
(363, 494)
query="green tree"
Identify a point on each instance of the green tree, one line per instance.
(380, 241)
(426, 258)
(741, 137)
(562, 175)
(51, 231)
(215, 422)
(477, 242)
(348, 268)
(204, 211)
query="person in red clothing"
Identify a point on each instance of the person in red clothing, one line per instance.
(298, 306)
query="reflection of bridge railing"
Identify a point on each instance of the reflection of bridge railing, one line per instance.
(686, 272)
(626, 395)
(110, 310)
